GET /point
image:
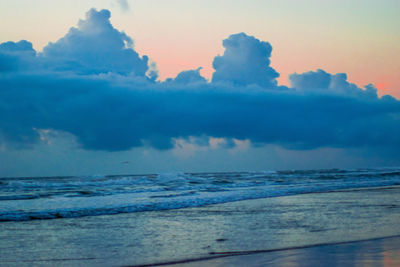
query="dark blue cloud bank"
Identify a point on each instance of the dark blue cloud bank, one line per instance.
(93, 84)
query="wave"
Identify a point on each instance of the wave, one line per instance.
(69, 197)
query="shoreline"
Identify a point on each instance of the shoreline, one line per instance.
(218, 235)
(377, 252)
(225, 254)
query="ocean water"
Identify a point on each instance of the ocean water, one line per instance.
(23, 199)
(130, 220)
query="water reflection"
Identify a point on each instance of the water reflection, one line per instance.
(376, 253)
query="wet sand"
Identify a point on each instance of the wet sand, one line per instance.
(377, 252)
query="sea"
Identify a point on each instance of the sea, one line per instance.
(128, 220)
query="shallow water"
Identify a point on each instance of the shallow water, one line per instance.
(190, 233)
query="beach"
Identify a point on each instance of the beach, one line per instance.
(199, 133)
(285, 231)
(376, 252)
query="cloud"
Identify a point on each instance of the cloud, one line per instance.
(188, 77)
(16, 56)
(124, 5)
(94, 47)
(92, 84)
(245, 62)
(322, 81)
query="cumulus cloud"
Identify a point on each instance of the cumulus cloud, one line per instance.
(245, 62)
(98, 91)
(188, 77)
(322, 81)
(94, 47)
(16, 56)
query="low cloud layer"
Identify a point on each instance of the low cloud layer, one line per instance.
(93, 84)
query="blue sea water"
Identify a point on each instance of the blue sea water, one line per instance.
(125, 220)
(29, 198)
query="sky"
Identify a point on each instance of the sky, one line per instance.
(163, 86)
